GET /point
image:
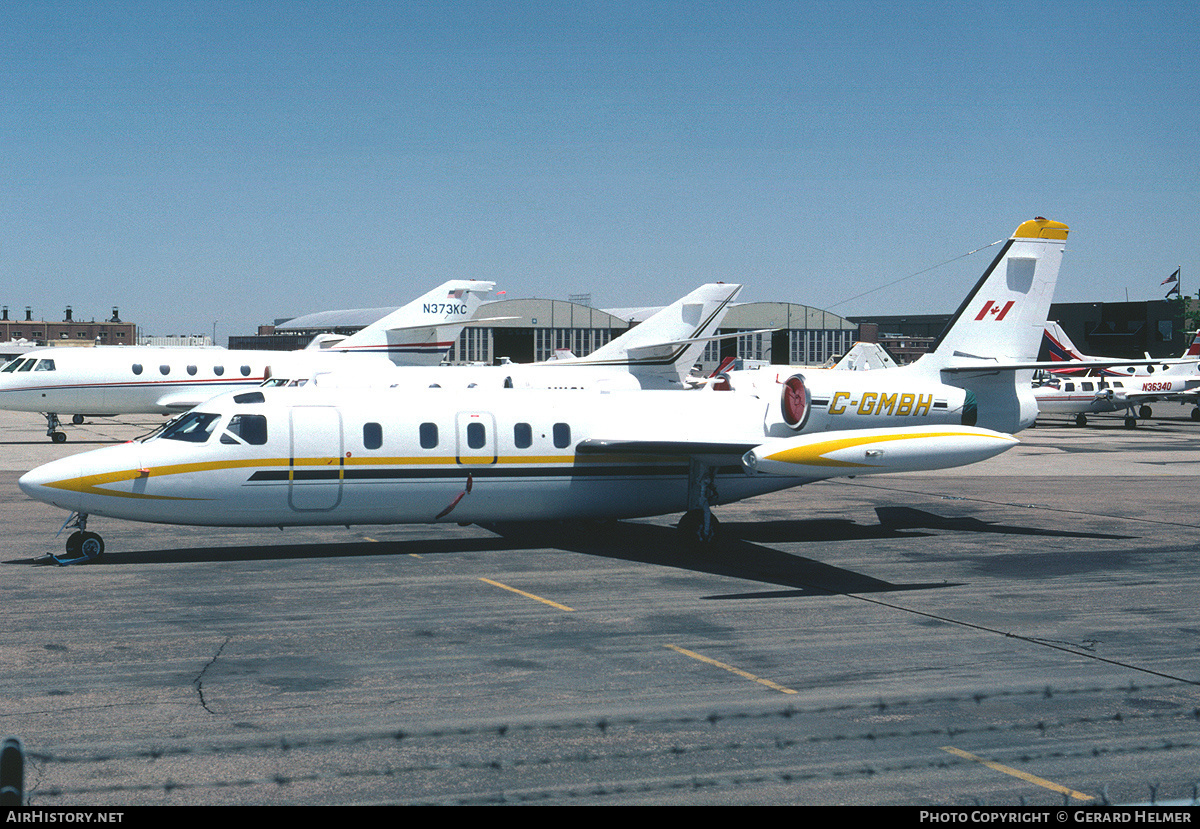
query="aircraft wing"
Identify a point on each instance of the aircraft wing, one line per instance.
(829, 454)
(713, 452)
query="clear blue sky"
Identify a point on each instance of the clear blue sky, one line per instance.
(233, 162)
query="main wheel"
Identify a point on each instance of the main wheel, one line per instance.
(58, 437)
(1131, 422)
(77, 419)
(1081, 420)
(692, 531)
(1145, 412)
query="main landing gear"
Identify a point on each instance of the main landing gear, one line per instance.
(53, 424)
(699, 527)
(83, 547)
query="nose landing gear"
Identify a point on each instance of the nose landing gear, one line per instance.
(83, 547)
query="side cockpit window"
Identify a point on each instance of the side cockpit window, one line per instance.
(45, 365)
(246, 428)
(193, 427)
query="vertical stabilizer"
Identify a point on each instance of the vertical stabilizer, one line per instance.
(1004, 316)
(998, 329)
(662, 350)
(422, 332)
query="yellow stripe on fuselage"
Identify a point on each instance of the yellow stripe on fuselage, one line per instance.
(91, 484)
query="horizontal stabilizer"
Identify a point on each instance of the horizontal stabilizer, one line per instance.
(984, 365)
(646, 350)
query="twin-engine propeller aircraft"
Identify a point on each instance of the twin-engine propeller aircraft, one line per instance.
(309, 456)
(114, 380)
(1080, 384)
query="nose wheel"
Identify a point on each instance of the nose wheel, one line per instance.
(82, 546)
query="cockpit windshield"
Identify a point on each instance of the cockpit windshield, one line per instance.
(193, 427)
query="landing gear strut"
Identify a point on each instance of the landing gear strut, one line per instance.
(53, 424)
(82, 546)
(698, 526)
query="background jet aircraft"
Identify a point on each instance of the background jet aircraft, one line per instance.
(307, 456)
(113, 380)
(657, 354)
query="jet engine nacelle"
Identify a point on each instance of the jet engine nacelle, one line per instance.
(821, 401)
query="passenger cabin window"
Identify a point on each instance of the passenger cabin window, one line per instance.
(192, 370)
(429, 436)
(372, 435)
(476, 435)
(137, 368)
(562, 435)
(1086, 386)
(523, 435)
(218, 370)
(252, 429)
(193, 427)
(164, 369)
(1069, 387)
(245, 371)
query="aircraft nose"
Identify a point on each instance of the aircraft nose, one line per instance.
(51, 483)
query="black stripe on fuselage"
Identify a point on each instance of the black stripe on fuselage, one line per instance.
(478, 471)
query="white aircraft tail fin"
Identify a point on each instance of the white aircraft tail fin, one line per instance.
(422, 332)
(1003, 319)
(991, 342)
(663, 349)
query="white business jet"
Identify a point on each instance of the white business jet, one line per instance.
(313, 456)
(115, 380)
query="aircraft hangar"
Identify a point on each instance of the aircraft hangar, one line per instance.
(533, 329)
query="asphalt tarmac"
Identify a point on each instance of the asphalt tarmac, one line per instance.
(1021, 632)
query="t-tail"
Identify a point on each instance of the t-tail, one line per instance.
(661, 351)
(997, 331)
(422, 332)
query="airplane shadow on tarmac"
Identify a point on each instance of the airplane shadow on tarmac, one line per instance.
(739, 553)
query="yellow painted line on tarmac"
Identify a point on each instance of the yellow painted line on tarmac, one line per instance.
(1028, 778)
(772, 685)
(528, 595)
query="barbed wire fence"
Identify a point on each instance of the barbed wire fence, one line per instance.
(598, 760)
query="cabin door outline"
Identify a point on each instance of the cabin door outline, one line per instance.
(315, 468)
